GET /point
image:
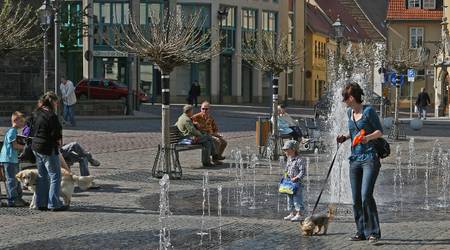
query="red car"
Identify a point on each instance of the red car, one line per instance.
(105, 89)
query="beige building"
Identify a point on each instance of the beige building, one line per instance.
(416, 25)
(223, 79)
(442, 62)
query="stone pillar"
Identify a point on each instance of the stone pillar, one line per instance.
(437, 91)
(237, 59)
(215, 61)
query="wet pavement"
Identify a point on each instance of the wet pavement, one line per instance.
(124, 214)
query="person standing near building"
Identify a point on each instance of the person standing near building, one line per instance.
(69, 99)
(194, 92)
(45, 145)
(423, 100)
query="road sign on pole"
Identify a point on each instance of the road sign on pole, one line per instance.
(411, 75)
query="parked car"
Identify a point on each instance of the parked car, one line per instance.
(105, 89)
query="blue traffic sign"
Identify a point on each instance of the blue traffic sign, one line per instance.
(411, 75)
(397, 79)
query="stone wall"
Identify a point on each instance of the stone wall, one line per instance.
(84, 108)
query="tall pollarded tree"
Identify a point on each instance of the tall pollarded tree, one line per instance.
(169, 40)
(272, 55)
(16, 30)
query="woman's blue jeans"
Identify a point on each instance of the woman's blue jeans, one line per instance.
(48, 181)
(363, 175)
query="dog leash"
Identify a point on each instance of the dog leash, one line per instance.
(326, 179)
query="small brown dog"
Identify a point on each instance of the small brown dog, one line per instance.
(309, 225)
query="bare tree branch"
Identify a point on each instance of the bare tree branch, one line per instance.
(170, 41)
(269, 54)
(403, 58)
(17, 21)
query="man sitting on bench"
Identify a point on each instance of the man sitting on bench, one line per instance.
(189, 131)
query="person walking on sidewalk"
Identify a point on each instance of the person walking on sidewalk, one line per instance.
(194, 92)
(69, 99)
(423, 100)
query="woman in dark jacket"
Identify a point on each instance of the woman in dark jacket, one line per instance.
(46, 143)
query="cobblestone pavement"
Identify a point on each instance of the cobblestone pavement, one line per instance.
(123, 214)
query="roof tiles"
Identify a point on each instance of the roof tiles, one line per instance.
(397, 11)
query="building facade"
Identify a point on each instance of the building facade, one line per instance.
(223, 79)
(415, 24)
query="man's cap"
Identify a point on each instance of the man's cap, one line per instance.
(291, 144)
(186, 108)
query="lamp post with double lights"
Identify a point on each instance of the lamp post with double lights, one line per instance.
(45, 16)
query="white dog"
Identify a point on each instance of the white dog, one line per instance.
(28, 179)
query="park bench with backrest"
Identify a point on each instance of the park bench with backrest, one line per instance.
(178, 144)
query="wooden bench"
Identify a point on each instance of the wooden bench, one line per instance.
(175, 147)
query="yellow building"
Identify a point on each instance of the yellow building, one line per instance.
(316, 44)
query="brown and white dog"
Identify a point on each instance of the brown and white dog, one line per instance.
(28, 178)
(313, 224)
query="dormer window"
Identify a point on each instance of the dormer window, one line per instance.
(414, 4)
(429, 4)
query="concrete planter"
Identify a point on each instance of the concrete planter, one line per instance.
(388, 122)
(416, 124)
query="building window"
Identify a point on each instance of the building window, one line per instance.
(228, 28)
(291, 36)
(290, 85)
(249, 25)
(315, 49)
(415, 37)
(148, 10)
(413, 3)
(106, 15)
(269, 21)
(72, 25)
(316, 89)
(429, 4)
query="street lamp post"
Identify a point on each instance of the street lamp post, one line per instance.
(45, 15)
(56, 6)
(339, 35)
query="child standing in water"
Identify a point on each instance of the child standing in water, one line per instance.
(295, 170)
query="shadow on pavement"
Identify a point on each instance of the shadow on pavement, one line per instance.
(115, 210)
(418, 242)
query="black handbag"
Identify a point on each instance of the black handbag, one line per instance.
(27, 154)
(380, 144)
(382, 147)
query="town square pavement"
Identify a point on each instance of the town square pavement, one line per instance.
(123, 213)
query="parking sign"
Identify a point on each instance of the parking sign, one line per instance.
(411, 75)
